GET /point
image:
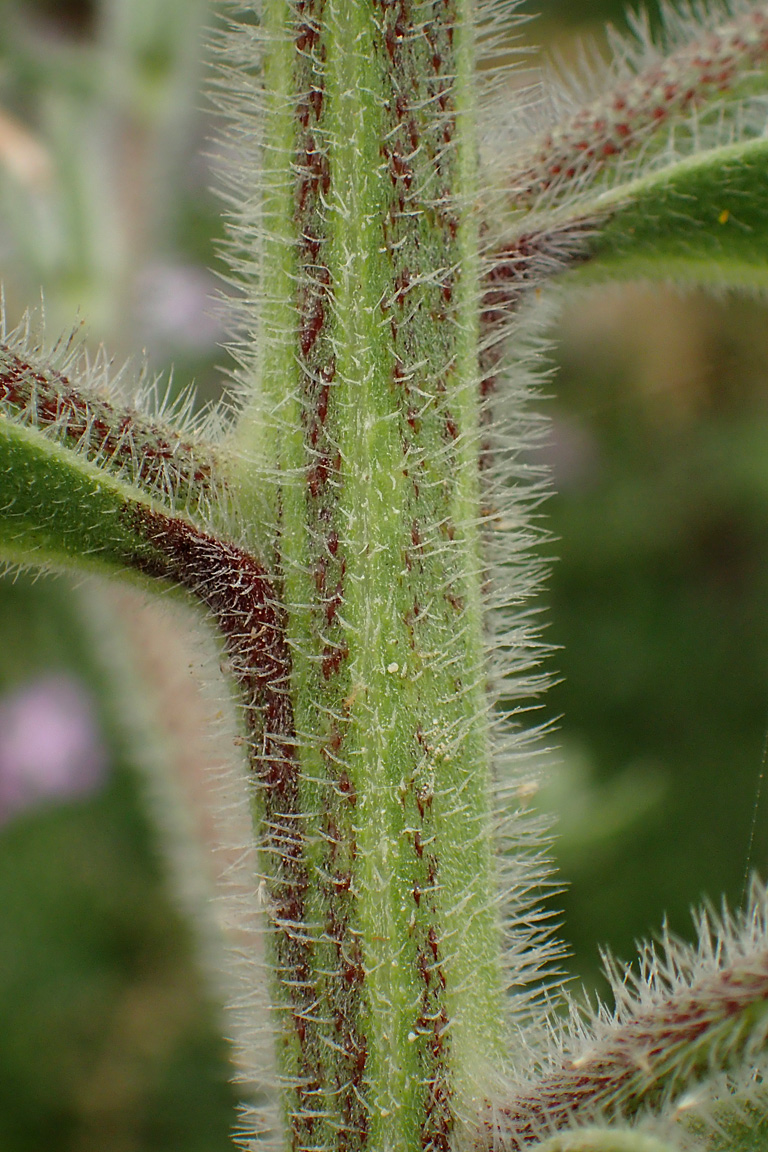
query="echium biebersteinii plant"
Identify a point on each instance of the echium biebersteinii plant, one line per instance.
(357, 531)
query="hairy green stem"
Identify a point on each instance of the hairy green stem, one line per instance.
(368, 415)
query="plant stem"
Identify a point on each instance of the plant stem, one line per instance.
(368, 417)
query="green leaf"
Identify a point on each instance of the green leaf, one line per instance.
(77, 406)
(57, 509)
(703, 221)
(732, 1121)
(603, 1140)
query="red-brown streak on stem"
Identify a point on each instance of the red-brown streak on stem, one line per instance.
(620, 120)
(417, 149)
(237, 591)
(513, 271)
(160, 461)
(528, 262)
(637, 1063)
(341, 1043)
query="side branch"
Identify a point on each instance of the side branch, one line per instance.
(599, 134)
(702, 220)
(697, 1027)
(165, 464)
(57, 508)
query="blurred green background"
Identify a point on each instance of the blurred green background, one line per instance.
(656, 604)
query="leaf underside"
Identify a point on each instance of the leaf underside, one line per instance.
(701, 221)
(59, 509)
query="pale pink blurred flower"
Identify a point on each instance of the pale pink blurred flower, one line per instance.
(177, 307)
(50, 744)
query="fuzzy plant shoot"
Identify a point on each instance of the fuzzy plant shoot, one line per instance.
(355, 526)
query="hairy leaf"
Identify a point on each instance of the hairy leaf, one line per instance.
(604, 1140)
(59, 509)
(702, 221)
